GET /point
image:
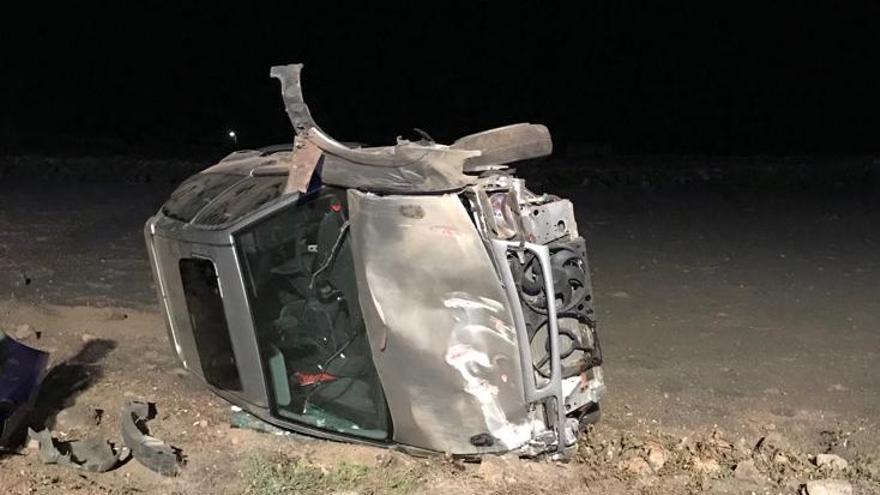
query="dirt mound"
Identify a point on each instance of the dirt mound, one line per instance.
(711, 462)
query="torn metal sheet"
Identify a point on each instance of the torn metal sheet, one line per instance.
(302, 160)
(291, 92)
(22, 369)
(92, 455)
(410, 295)
(149, 451)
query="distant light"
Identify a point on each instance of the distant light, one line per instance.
(232, 134)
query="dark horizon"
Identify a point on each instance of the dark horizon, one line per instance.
(694, 78)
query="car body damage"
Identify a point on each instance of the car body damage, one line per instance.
(416, 295)
(457, 303)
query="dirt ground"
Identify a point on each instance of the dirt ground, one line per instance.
(741, 332)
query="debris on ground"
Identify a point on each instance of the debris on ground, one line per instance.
(93, 455)
(149, 451)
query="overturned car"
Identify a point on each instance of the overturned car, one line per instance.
(416, 295)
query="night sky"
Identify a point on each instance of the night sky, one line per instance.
(630, 77)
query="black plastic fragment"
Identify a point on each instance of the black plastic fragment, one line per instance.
(93, 455)
(149, 451)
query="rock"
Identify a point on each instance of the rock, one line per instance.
(829, 487)
(707, 466)
(636, 465)
(87, 337)
(657, 456)
(831, 462)
(746, 471)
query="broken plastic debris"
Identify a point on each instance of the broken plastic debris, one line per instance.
(149, 451)
(92, 454)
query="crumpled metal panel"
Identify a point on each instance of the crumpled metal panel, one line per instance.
(406, 167)
(439, 325)
(417, 178)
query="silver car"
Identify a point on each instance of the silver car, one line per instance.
(416, 295)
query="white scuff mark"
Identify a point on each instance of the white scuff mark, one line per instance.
(464, 303)
(381, 289)
(378, 308)
(462, 357)
(375, 281)
(383, 344)
(493, 303)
